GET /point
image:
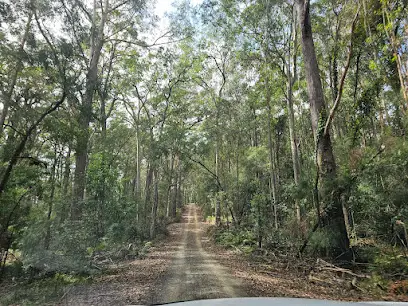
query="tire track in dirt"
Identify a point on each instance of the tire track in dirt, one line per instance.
(193, 273)
(188, 266)
(176, 269)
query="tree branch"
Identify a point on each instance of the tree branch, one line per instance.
(343, 77)
(14, 129)
(21, 145)
(208, 170)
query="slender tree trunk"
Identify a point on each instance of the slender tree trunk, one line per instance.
(335, 74)
(168, 202)
(174, 204)
(175, 189)
(51, 201)
(148, 191)
(395, 46)
(217, 170)
(291, 79)
(179, 183)
(67, 172)
(326, 163)
(217, 200)
(19, 66)
(272, 175)
(81, 156)
(179, 191)
(138, 165)
(66, 185)
(255, 143)
(334, 65)
(170, 185)
(217, 154)
(154, 206)
(293, 145)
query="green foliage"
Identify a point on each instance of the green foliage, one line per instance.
(67, 251)
(244, 239)
(390, 265)
(43, 291)
(205, 119)
(321, 242)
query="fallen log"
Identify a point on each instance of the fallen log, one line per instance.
(323, 265)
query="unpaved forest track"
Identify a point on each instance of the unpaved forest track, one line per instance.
(176, 269)
(187, 266)
(194, 274)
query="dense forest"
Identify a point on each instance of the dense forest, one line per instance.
(284, 120)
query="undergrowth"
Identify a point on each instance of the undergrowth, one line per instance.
(40, 291)
(44, 277)
(385, 266)
(242, 239)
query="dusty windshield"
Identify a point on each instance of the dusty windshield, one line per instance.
(155, 151)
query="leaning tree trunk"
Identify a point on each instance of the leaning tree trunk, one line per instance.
(326, 164)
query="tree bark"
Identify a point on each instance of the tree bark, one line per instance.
(294, 151)
(175, 187)
(395, 50)
(51, 201)
(66, 184)
(326, 164)
(170, 185)
(138, 165)
(291, 79)
(154, 206)
(179, 189)
(272, 179)
(148, 191)
(174, 202)
(81, 153)
(217, 197)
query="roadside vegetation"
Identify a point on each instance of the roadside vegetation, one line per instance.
(284, 120)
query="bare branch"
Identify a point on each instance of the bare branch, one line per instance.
(144, 44)
(74, 30)
(81, 6)
(50, 44)
(14, 129)
(118, 6)
(208, 170)
(20, 147)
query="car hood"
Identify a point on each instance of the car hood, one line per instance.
(269, 301)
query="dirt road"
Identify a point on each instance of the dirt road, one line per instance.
(187, 266)
(176, 269)
(194, 273)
